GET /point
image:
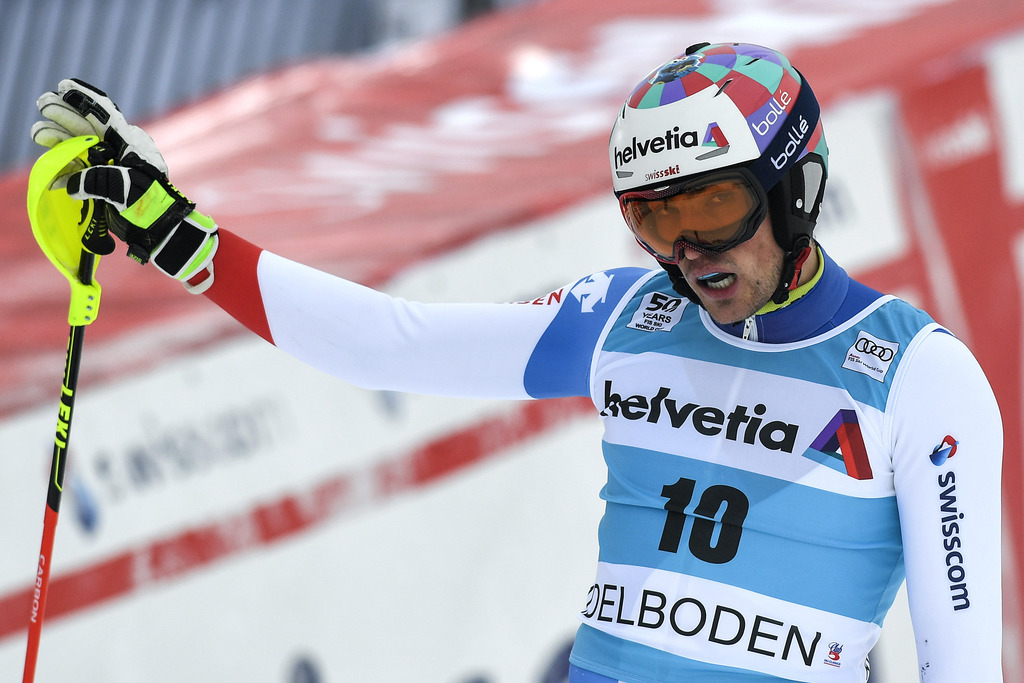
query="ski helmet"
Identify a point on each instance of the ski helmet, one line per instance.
(730, 109)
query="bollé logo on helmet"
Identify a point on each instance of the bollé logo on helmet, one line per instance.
(797, 133)
(776, 108)
(672, 139)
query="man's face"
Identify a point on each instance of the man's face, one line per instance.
(733, 285)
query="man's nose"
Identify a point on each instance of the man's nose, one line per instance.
(687, 253)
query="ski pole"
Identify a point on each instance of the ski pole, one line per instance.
(55, 486)
(59, 224)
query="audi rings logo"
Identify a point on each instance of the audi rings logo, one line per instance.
(871, 356)
(865, 345)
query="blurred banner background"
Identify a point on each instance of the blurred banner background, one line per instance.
(232, 515)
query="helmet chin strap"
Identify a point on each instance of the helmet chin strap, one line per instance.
(791, 269)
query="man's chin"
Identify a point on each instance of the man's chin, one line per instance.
(725, 313)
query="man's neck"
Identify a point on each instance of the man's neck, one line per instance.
(810, 273)
(809, 307)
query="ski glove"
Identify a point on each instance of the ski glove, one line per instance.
(156, 221)
(78, 108)
(131, 198)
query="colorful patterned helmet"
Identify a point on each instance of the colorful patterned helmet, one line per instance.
(728, 106)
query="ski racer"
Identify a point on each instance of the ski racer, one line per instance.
(782, 442)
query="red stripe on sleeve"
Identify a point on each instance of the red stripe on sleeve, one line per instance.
(236, 287)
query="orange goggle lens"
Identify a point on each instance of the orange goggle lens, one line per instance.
(710, 215)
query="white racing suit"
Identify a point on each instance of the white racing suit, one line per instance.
(765, 499)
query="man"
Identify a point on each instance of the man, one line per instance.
(780, 439)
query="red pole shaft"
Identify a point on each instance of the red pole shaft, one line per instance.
(55, 487)
(35, 625)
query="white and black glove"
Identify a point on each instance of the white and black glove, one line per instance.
(153, 218)
(125, 180)
(77, 108)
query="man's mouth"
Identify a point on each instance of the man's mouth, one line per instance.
(717, 280)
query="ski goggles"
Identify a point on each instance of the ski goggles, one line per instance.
(710, 214)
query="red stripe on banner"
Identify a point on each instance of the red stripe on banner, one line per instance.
(190, 549)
